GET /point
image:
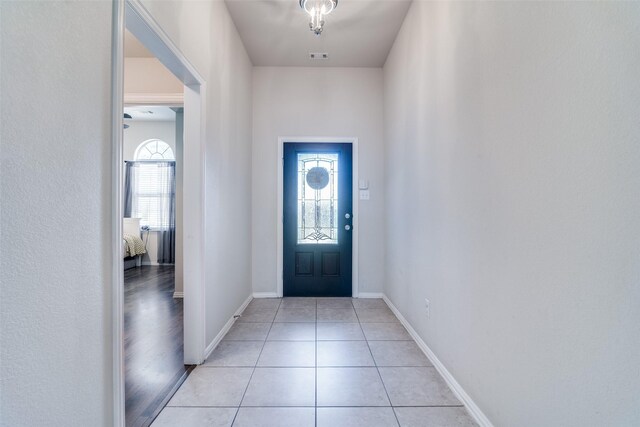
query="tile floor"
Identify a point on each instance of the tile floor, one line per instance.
(315, 362)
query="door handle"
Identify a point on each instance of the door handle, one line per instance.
(347, 215)
(347, 227)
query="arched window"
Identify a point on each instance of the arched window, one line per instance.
(154, 149)
(150, 183)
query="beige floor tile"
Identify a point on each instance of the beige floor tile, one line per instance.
(207, 386)
(298, 302)
(350, 387)
(235, 353)
(398, 353)
(376, 315)
(303, 314)
(356, 417)
(258, 315)
(288, 354)
(385, 332)
(248, 332)
(434, 417)
(334, 315)
(292, 331)
(273, 303)
(369, 303)
(275, 417)
(417, 387)
(339, 332)
(281, 387)
(344, 353)
(195, 417)
(335, 303)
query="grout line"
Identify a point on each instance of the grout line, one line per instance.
(321, 407)
(254, 368)
(379, 375)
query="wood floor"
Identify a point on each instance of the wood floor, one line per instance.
(153, 342)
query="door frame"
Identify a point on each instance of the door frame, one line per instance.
(280, 216)
(132, 14)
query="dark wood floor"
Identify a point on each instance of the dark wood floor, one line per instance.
(153, 341)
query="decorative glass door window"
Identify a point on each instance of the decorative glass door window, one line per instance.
(318, 198)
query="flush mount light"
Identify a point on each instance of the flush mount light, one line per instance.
(317, 10)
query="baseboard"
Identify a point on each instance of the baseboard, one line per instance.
(265, 295)
(213, 344)
(178, 294)
(370, 295)
(457, 389)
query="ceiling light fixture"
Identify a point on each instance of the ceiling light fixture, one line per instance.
(317, 10)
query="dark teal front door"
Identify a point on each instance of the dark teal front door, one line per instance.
(318, 219)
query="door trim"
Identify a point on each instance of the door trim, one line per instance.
(355, 199)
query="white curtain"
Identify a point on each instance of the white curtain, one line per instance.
(150, 194)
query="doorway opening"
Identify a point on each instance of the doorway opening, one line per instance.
(166, 212)
(153, 287)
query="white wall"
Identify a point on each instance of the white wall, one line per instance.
(143, 130)
(331, 102)
(55, 306)
(138, 132)
(149, 76)
(205, 34)
(512, 157)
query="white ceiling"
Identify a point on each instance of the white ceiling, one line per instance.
(359, 33)
(150, 113)
(133, 48)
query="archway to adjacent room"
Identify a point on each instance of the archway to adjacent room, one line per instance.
(130, 15)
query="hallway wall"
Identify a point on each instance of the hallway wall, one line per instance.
(332, 102)
(205, 34)
(55, 226)
(512, 156)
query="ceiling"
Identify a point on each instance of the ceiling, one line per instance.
(359, 33)
(133, 48)
(150, 114)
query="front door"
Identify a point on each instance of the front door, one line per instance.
(318, 219)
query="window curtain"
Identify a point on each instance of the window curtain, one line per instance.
(129, 185)
(167, 215)
(150, 194)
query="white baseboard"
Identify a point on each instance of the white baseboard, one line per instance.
(178, 294)
(370, 295)
(265, 295)
(457, 389)
(213, 344)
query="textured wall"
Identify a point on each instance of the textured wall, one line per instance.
(512, 156)
(55, 259)
(317, 102)
(206, 35)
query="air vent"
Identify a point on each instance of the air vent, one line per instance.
(318, 56)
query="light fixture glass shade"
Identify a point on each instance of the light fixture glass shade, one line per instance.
(317, 10)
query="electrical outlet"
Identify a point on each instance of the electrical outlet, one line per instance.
(427, 307)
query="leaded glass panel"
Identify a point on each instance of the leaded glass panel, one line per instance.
(318, 198)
